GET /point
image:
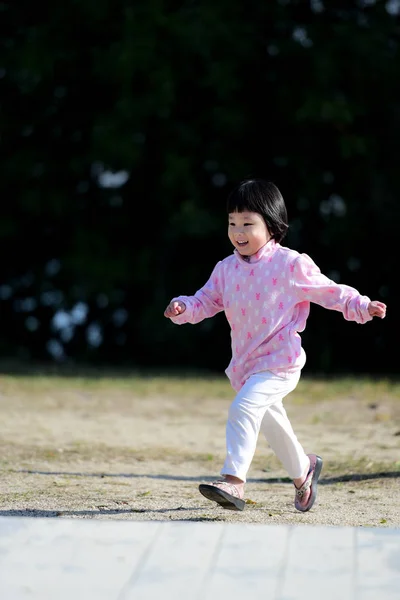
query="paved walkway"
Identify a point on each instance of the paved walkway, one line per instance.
(71, 559)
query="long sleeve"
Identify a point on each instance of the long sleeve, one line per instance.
(311, 285)
(206, 302)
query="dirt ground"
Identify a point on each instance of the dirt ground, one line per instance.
(138, 451)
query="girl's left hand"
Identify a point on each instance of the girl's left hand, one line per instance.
(377, 309)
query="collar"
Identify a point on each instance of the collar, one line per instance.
(265, 251)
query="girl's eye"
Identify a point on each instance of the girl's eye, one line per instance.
(248, 224)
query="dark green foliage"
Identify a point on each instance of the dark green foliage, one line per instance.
(187, 98)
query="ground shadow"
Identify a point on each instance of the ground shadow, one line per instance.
(349, 477)
(124, 475)
(81, 369)
(33, 512)
(90, 371)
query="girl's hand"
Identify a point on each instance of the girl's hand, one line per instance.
(174, 309)
(377, 309)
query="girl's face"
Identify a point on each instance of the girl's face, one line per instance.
(248, 232)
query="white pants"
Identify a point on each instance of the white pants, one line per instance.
(258, 405)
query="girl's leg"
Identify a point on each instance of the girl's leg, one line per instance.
(244, 420)
(246, 414)
(279, 433)
(304, 470)
(259, 404)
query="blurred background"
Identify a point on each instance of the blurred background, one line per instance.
(124, 125)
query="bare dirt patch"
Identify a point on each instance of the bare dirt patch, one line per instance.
(137, 448)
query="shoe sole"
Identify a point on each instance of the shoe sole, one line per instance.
(222, 498)
(314, 485)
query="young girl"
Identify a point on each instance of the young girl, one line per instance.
(265, 290)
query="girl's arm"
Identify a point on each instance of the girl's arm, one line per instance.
(312, 286)
(206, 302)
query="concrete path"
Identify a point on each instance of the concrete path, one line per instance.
(71, 559)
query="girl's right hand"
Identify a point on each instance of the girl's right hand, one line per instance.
(174, 309)
(377, 309)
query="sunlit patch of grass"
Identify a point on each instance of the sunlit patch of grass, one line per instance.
(310, 391)
(116, 482)
(82, 451)
(139, 384)
(358, 466)
(343, 466)
(187, 385)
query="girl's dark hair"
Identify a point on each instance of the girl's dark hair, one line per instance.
(264, 198)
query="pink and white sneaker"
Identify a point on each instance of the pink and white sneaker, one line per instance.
(307, 493)
(227, 495)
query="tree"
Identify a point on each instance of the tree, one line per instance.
(124, 126)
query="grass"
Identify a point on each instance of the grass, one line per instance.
(309, 390)
(62, 432)
(26, 453)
